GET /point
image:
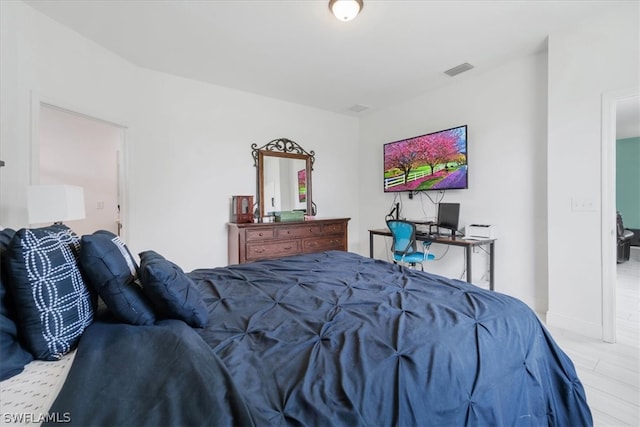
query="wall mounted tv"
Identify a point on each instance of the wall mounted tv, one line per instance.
(435, 161)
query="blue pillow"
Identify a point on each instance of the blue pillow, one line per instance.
(53, 305)
(172, 292)
(14, 357)
(112, 272)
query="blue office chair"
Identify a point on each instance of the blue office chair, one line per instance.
(404, 244)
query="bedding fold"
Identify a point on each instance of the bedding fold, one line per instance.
(159, 375)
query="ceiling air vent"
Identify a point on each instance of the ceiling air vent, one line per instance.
(358, 108)
(458, 69)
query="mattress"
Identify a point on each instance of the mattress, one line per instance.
(25, 399)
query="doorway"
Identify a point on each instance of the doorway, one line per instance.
(76, 149)
(610, 104)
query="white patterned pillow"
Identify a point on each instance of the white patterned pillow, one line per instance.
(53, 304)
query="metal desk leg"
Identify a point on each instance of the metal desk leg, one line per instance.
(491, 266)
(370, 245)
(469, 276)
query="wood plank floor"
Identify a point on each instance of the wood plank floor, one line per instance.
(610, 373)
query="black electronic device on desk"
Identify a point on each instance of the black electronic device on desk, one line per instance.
(448, 218)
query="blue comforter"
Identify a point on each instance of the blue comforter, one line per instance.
(336, 339)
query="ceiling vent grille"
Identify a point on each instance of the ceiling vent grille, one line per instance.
(458, 69)
(358, 108)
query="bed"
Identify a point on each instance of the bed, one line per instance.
(324, 339)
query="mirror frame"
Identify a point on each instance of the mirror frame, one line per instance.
(283, 148)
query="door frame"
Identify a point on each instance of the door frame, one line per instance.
(608, 217)
(37, 101)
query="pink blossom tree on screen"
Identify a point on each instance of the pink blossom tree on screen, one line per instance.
(439, 148)
(405, 156)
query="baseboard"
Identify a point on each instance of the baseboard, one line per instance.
(590, 329)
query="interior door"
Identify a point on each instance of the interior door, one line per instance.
(75, 149)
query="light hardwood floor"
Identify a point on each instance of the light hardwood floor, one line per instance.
(610, 373)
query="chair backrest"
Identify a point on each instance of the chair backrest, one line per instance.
(619, 224)
(404, 236)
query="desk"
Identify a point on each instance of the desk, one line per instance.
(468, 244)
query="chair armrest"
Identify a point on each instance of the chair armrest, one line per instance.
(627, 234)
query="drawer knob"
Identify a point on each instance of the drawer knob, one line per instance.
(260, 234)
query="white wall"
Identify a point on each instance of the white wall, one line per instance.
(188, 143)
(505, 110)
(196, 138)
(41, 60)
(585, 63)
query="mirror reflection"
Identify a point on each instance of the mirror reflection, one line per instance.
(284, 182)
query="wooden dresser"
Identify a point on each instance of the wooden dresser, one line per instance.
(251, 242)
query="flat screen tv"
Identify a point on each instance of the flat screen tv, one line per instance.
(435, 161)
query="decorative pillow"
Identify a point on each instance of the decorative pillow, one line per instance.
(112, 272)
(13, 356)
(53, 305)
(172, 292)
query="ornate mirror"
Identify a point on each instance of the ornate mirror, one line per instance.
(283, 177)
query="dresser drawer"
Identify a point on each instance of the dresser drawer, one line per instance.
(275, 249)
(324, 244)
(300, 231)
(336, 228)
(260, 234)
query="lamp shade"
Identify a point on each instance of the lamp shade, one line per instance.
(55, 203)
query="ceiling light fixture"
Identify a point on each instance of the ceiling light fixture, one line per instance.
(345, 10)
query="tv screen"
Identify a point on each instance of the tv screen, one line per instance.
(435, 161)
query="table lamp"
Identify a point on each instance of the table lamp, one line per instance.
(55, 203)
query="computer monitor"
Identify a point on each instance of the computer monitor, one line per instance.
(448, 216)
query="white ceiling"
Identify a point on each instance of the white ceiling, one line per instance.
(297, 51)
